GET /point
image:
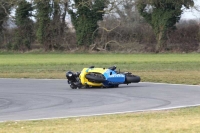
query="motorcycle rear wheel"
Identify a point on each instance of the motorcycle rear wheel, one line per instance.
(132, 78)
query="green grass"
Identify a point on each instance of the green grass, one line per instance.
(184, 68)
(41, 59)
(178, 121)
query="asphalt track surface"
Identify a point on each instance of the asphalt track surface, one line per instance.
(32, 99)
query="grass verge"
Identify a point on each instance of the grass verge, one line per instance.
(177, 121)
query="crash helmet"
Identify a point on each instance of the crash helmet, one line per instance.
(69, 74)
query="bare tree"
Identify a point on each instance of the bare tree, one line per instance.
(5, 8)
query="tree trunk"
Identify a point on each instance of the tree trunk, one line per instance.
(161, 41)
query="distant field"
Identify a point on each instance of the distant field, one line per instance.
(169, 68)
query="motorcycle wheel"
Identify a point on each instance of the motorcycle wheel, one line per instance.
(95, 78)
(73, 86)
(132, 78)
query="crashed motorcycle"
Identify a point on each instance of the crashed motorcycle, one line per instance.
(100, 77)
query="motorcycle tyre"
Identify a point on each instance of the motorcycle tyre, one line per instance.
(95, 78)
(73, 87)
(132, 79)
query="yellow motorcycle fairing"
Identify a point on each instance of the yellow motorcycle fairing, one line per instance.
(85, 71)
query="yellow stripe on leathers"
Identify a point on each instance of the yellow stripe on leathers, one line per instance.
(85, 71)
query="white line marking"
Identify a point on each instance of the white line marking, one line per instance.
(31, 79)
(132, 83)
(114, 113)
(170, 84)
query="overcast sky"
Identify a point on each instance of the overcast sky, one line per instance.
(192, 13)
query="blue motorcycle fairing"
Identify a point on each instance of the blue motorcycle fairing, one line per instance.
(114, 78)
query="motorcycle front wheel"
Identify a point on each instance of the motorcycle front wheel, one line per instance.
(99, 78)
